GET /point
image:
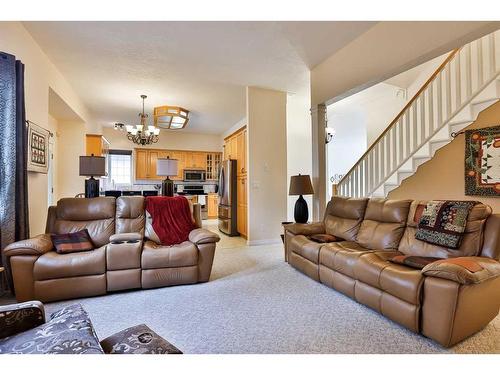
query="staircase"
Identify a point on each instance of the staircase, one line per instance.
(466, 83)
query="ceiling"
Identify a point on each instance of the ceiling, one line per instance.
(201, 66)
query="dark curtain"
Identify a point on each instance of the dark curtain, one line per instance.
(13, 153)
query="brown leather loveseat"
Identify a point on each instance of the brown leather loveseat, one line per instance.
(121, 259)
(445, 301)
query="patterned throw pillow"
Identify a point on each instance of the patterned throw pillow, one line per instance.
(413, 261)
(323, 238)
(72, 242)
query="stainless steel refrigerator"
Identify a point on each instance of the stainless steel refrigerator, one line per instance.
(227, 198)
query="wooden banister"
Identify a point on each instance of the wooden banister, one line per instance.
(401, 113)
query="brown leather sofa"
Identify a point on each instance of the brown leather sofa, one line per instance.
(122, 260)
(444, 301)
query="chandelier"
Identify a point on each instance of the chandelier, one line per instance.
(141, 134)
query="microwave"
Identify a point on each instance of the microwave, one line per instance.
(194, 175)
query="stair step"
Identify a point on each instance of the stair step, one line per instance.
(389, 187)
(457, 126)
(437, 144)
(418, 161)
(402, 175)
(478, 107)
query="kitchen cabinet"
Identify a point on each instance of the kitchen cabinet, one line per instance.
(146, 159)
(196, 160)
(235, 147)
(212, 205)
(241, 152)
(145, 164)
(96, 144)
(141, 164)
(213, 165)
(241, 224)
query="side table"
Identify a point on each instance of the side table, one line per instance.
(283, 223)
(3, 281)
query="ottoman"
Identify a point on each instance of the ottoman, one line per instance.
(138, 340)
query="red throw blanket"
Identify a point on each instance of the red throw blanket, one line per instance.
(172, 220)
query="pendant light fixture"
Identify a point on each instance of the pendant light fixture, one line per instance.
(141, 134)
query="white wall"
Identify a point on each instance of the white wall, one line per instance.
(40, 75)
(71, 145)
(267, 164)
(348, 144)
(299, 138)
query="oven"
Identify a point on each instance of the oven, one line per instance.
(194, 175)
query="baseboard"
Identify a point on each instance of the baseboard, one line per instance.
(271, 241)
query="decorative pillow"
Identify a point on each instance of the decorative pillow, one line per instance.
(323, 238)
(72, 242)
(443, 223)
(413, 261)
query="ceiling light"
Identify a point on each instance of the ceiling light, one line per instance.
(170, 117)
(136, 133)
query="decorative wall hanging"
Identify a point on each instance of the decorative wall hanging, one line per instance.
(38, 148)
(482, 161)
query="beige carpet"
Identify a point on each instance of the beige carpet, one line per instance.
(256, 303)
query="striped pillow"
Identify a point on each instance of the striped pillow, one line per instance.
(72, 242)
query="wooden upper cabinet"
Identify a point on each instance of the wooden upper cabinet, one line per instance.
(146, 160)
(241, 151)
(141, 164)
(96, 144)
(153, 158)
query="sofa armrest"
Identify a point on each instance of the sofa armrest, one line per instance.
(20, 317)
(464, 270)
(305, 229)
(119, 237)
(37, 245)
(201, 236)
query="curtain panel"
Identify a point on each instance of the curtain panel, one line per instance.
(13, 153)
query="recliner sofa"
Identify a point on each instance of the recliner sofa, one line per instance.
(121, 260)
(444, 301)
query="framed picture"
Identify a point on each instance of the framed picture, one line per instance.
(482, 162)
(38, 149)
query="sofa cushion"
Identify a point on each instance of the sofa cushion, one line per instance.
(52, 265)
(74, 214)
(343, 217)
(158, 256)
(400, 281)
(383, 224)
(68, 332)
(341, 256)
(472, 239)
(306, 248)
(130, 215)
(72, 242)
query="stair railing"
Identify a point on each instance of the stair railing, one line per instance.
(463, 75)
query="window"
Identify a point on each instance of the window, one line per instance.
(120, 168)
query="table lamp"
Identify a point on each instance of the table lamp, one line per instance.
(167, 167)
(301, 185)
(92, 166)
